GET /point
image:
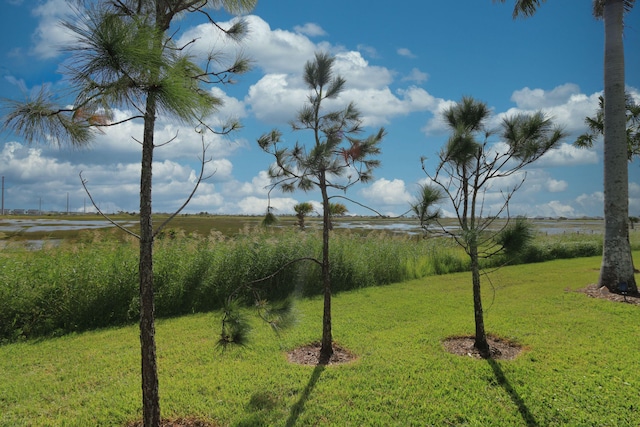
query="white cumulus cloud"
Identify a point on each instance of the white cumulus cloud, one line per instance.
(568, 155)
(403, 51)
(556, 186)
(310, 29)
(416, 76)
(51, 35)
(387, 192)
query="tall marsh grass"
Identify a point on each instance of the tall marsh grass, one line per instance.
(93, 282)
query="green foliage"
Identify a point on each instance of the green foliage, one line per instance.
(279, 315)
(337, 209)
(235, 325)
(448, 261)
(39, 118)
(515, 237)
(469, 163)
(302, 210)
(335, 147)
(530, 136)
(124, 55)
(560, 250)
(55, 291)
(269, 219)
(428, 197)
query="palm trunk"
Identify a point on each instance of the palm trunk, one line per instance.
(617, 264)
(327, 340)
(150, 396)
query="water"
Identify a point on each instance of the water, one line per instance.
(408, 226)
(542, 226)
(49, 225)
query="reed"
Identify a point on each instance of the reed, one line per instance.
(91, 282)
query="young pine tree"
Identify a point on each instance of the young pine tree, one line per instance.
(125, 57)
(468, 166)
(335, 158)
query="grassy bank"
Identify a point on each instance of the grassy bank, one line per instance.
(578, 367)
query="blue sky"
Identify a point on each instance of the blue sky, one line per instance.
(403, 66)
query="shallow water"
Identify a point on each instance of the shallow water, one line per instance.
(549, 227)
(407, 226)
(570, 226)
(49, 225)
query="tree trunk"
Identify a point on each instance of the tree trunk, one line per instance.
(327, 340)
(617, 264)
(481, 337)
(150, 396)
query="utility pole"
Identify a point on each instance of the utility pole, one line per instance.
(2, 194)
(67, 203)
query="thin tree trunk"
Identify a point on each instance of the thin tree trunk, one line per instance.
(327, 340)
(617, 264)
(150, 396)
(481, 337)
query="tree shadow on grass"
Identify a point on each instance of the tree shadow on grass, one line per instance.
(298, 407)
(526, 414)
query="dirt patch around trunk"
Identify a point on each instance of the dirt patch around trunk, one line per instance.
(499, 349)
(177, 422)
(594, 291)
(310, 355)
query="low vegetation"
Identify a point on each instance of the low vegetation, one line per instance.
(577, 352)
(92, 282)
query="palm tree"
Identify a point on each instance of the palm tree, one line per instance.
(467, 167)
(302, 210)
(338, 209)
(617, 263)
(596, 127)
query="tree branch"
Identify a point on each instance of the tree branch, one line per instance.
(84, 185)
(247, 285)
(367, 207)
(201, 178)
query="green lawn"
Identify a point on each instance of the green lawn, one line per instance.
(579, 367)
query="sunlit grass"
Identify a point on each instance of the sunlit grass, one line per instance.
(578, 368)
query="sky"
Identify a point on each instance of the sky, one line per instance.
(403, 64)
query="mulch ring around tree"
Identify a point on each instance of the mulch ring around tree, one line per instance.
(177, 422)
(499, 349)
(593, 290)
(310, 355)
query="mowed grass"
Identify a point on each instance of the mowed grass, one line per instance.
(579, 367)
